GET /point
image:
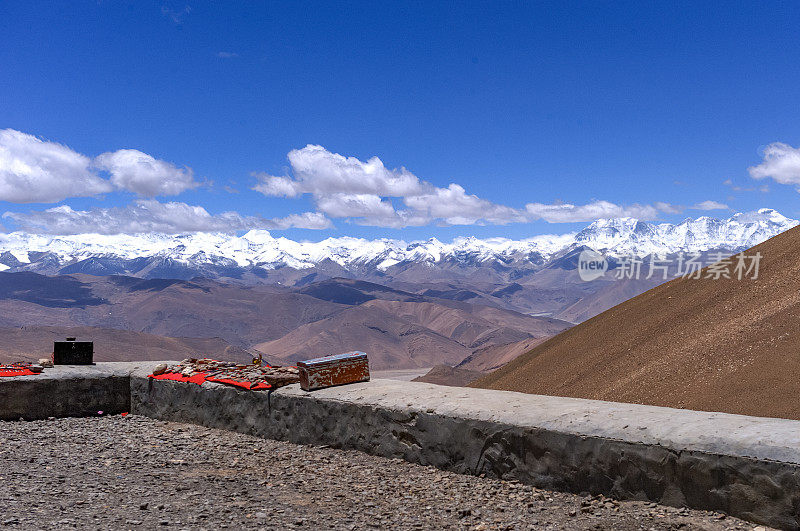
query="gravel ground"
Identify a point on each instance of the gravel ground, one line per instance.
(137, 473)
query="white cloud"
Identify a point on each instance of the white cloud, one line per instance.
(346, 187)
(317, 171)
(781, 162)
(569, 213)
(33, 170)
(270, 185)
(148, 215)
(305, 220)
(764, 188)
(667, 208)
(455, 207)
(710, 205)
(36, 171)
(144, 175)
(355, 206)
(227, 55)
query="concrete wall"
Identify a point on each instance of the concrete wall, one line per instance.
(67, 391)
(745, 466)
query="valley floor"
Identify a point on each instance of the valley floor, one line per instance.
(136, 473)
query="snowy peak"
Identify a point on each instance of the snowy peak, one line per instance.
(631, 236)
(215, 254)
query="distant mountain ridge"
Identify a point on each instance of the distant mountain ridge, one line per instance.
(134, 318)
(256, 255)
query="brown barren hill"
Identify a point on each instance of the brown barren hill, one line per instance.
(716, 345)
(491, 358)
(390, 341)
(451, 376)
(29, 343)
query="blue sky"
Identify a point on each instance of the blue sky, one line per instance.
(134, 115)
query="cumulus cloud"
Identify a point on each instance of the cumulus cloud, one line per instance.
(346, 187)
(355, 205)
(148, 215)
(33, 170)
(317, 171)
(781, 163)
(710, 205)
(569, 213)
(455, 206)
(144, 175)
(667, 208)
(270, 185)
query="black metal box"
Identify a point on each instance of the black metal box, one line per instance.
(71, 352)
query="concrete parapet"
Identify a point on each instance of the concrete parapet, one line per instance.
(745, 466)
(67, 391)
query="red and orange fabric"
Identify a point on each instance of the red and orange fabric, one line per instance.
(15, 369)
(200, 377)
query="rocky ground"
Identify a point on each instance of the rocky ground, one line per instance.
(136, 473)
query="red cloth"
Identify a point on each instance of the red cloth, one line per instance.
(239, 383)
(201, 377)
(6, 371)
(198, 378)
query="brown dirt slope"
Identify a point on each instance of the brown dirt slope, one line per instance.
(391, 342)
(491, 358)
(446, 375)
(30, 343)
(403, 335)
(474, 326)
(714, 345)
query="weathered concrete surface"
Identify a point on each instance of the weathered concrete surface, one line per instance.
(747, 467)
(68, 391)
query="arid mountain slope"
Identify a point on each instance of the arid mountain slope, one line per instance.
(400, 334)
(390, 341)
(491, 358)
(400, 329)
(174, 308)
(716, 345)
(613, 293)
(480, 362)
(471, 325)
(33, 342)
(451, 376)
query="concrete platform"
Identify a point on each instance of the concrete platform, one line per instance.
(68, 391)
(745, 466)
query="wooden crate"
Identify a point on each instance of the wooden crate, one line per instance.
(333, 370)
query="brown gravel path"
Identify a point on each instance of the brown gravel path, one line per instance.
(137, 473)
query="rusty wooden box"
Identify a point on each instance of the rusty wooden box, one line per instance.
(333, 370)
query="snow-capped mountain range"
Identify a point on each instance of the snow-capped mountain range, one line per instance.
(225, 255)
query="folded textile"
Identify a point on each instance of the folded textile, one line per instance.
(200, 377)
(17, 369)
(7, 372)
(197, 378)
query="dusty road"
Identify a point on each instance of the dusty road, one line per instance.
(136, 473)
